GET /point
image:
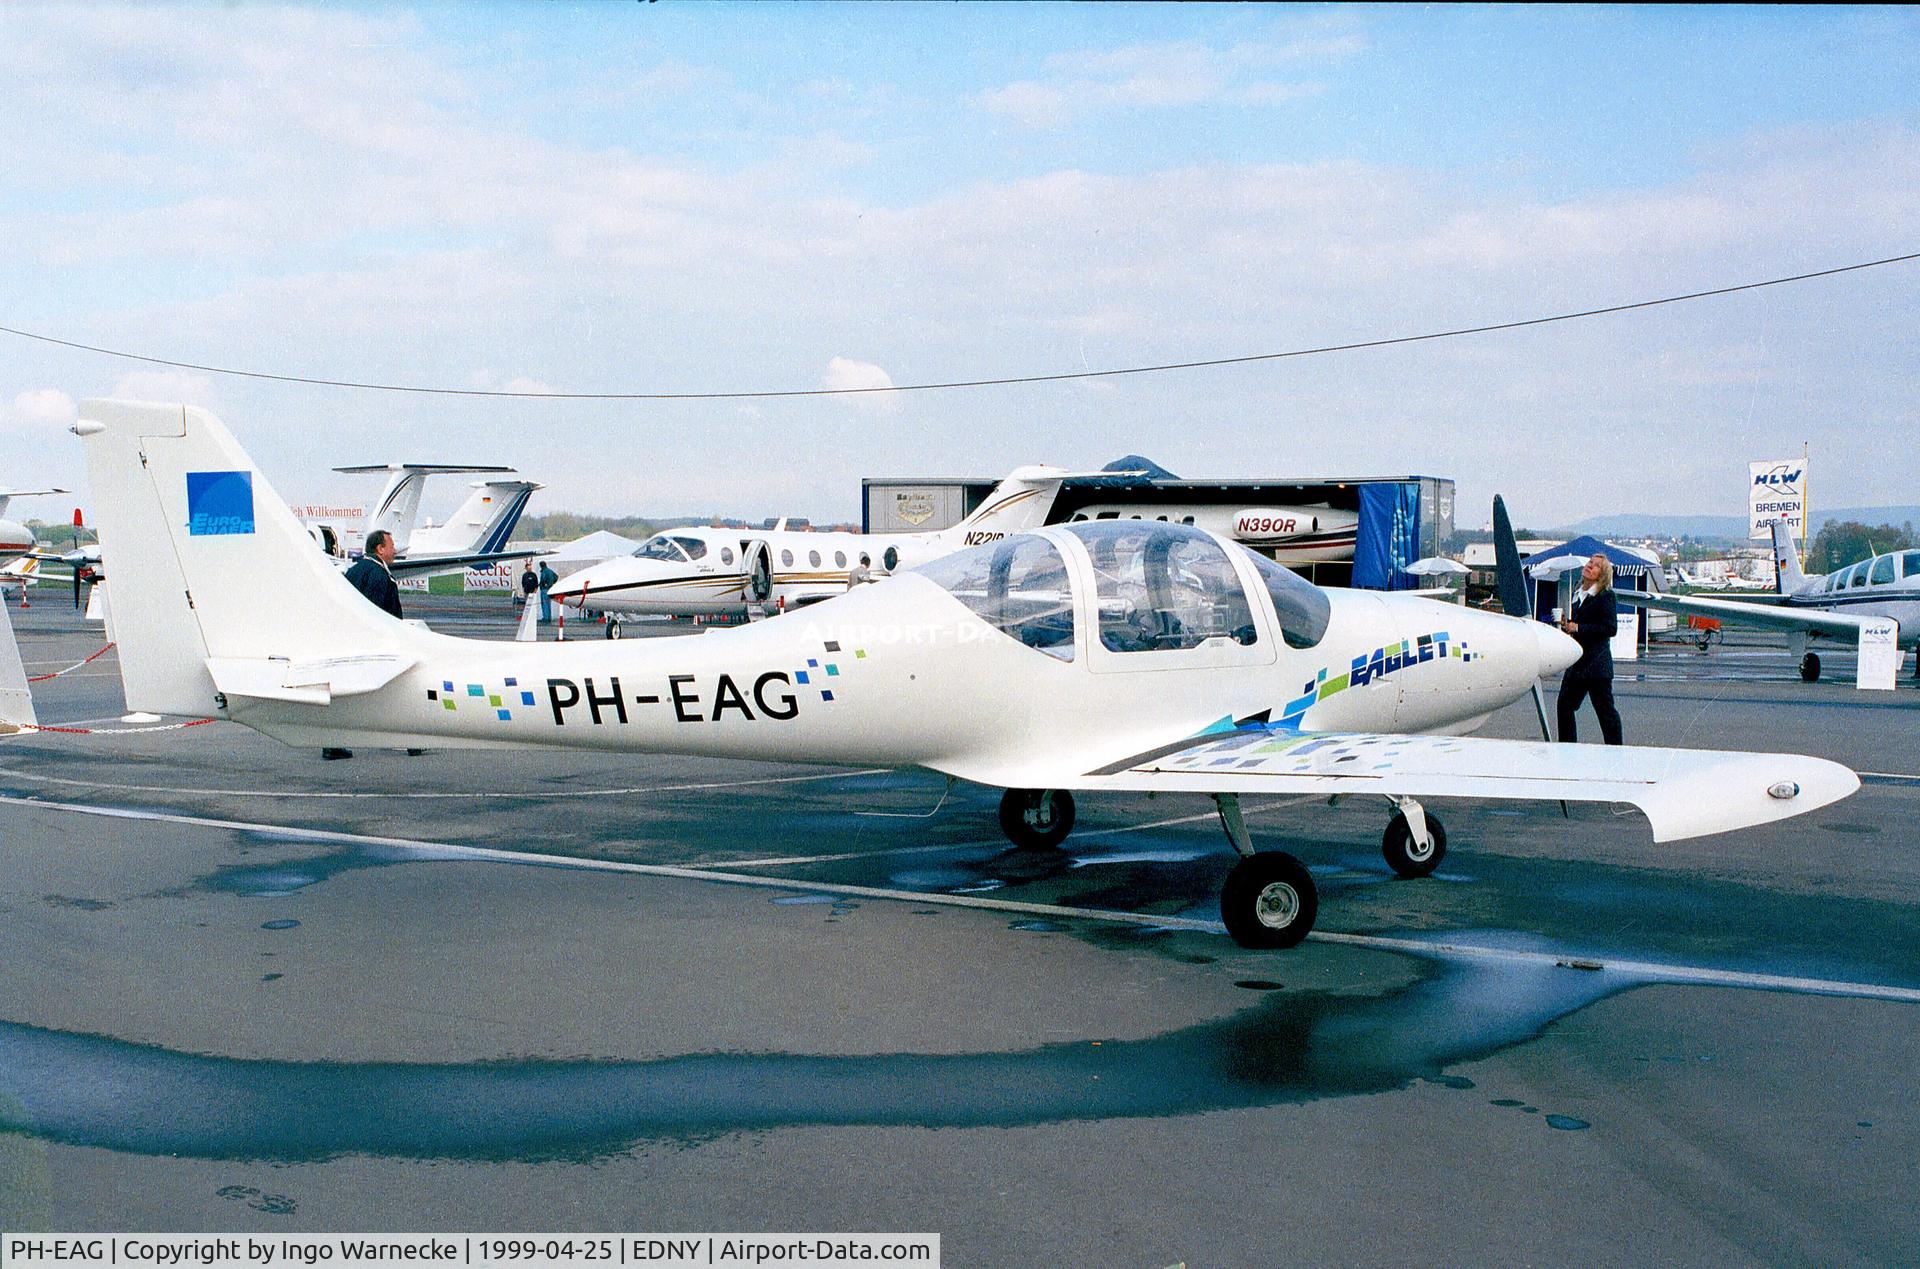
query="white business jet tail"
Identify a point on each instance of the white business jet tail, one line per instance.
(398, 507)
(219, 594)
(1017, 504)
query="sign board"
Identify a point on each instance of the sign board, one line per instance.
(1626, 640)
(1777, 490)
(502, 576)
(1879, 654)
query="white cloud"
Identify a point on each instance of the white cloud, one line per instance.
(42, 408)
(1151, 76)
(367, 221)
(847, 375)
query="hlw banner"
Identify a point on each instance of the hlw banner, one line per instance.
(1777, 490)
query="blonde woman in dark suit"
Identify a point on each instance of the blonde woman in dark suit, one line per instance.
(1593, 621)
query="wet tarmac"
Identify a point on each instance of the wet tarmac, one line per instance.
(242, 988)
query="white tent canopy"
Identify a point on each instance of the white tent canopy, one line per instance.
(601, 545)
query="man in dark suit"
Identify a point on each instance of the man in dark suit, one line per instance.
(372, 576)
(1593, 621)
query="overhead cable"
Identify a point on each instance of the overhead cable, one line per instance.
(961, 383)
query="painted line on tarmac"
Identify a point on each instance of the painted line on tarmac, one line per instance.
(1659, 971)
(1887, 777)
(1652, 971)
(415, 794)
(443, 851)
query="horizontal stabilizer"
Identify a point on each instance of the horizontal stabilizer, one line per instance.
(423, 469)
(314, 682)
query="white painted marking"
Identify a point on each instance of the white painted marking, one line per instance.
(1653, 971)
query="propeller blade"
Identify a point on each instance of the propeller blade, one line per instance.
(1515, 594)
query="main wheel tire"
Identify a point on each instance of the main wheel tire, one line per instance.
(1036, 817)
(613, 628)
(1269, 901)
(1404, 855)
(1810, 667)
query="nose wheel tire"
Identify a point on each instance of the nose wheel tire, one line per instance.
(1269, 901)
(1407, 857)
(1036, 817)
(1810, 667)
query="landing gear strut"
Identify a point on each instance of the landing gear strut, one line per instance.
(1269, 899)
(1036, 817)
(1415, 842)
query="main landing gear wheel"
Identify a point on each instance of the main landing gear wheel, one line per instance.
(1407, 857)
(613, 627)
(1810, 667)
(1269, 901)
(1036, 817)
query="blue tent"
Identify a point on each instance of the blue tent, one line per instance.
(1583, 546)
(1630, 572)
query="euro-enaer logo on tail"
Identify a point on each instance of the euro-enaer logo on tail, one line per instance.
(219, 502)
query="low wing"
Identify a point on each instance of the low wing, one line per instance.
(430, 565)
(1683, 792)
(1770, 616)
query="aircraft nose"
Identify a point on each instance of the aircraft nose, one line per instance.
(1555, 649)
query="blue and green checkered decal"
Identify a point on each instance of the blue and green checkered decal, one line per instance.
(503, 700)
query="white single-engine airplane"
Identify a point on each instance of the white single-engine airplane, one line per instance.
(1833, 605)
(728, 572)
(1129, 656)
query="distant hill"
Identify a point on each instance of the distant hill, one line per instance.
(1732, 528)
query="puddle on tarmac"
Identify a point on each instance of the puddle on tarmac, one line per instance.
(795, 900)
(1294, 1046)
(284, 923)
(289, 876)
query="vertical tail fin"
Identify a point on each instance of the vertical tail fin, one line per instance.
(399, 506)
(483, 523)
(16, 698)
(208, 561)
(1786, 559)
(1018, 503)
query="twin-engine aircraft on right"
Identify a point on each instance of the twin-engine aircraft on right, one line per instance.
(1834, 605)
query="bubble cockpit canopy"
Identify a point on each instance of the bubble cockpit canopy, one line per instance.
(1158, 587)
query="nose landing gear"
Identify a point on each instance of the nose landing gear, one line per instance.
(1269, 899)
(1036, 817)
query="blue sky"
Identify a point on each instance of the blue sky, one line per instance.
(724, 197)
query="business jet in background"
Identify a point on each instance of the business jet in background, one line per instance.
(718, 572)
(1314, 534)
